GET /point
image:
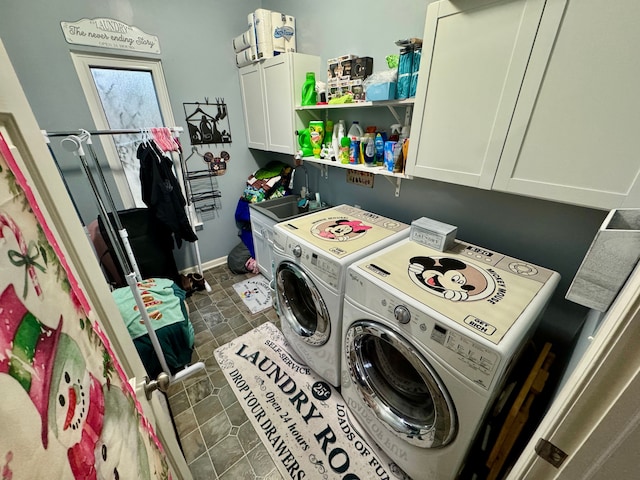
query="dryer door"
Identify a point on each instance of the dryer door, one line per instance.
(399, 385)
(301, 305)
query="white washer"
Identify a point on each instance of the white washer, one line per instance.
(311, 256)
(429, 338)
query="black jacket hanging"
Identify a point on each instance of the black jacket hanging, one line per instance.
(161, 192)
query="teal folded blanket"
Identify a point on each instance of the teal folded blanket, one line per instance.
(165, 304)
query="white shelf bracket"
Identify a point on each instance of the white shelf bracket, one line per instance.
(395, 114)
(407, 116)
(396, 183)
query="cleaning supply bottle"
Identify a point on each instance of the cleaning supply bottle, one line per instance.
(369, 134)
(316, 133)
(328, 132)
(355, 136)
(309, 94)
(344, 149)
(369, 152)
(379, 145)
(338, 133)
(355, 132)
(395, 132)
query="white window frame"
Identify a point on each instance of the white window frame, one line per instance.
(83, 61)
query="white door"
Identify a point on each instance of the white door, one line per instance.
(66, 260)
(593, 425)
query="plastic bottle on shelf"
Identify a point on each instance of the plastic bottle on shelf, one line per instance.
(328, 131)
(309, 94)
(354, 152)
(355, 136)
(369, 134)
(355, 132)
(316, 133)
(379, 145)
(338, 133)
(395, 132)
(344, 149)
(369, 152)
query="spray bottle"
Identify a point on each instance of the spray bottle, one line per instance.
(339, 131)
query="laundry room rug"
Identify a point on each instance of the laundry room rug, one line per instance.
(302, 421)
(255, 293)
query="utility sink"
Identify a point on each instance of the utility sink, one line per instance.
(283, 208)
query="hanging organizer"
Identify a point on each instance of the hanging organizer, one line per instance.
(73, 142)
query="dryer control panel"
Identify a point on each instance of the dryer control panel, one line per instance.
(427, 329)
(314, 262)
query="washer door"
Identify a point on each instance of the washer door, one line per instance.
(301, 305)
(399, 385)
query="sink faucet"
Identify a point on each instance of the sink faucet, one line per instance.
(306, 178)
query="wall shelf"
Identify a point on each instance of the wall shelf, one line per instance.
(389, 104)
(394, 178)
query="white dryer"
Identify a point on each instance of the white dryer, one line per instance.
(429, 338)
(311, 256)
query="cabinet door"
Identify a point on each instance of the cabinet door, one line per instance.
(253, 106)
(279, 107)
(261, 228)
(474, 57)
(574, 136)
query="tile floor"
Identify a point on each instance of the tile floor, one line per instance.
(217, 439)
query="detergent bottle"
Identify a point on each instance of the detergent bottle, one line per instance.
(316, 135)
(309, 94)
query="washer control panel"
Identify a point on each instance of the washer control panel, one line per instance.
(317, 263)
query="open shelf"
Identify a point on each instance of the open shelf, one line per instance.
(407, 102)
(394, 178)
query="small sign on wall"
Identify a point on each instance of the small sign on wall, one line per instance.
(109, 33)
(364, 179)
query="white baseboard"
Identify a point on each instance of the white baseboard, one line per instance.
(216, 262)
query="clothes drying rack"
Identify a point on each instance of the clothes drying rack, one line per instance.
(73, 142)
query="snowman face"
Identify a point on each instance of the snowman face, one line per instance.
(71, 397)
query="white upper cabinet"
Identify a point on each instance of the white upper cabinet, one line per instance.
(474, 58)
(270, 92)
(531, 97)
(575, 135)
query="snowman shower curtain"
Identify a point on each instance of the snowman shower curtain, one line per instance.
(66, 408)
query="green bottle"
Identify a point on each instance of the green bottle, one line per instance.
(309, 95)
(345, 142)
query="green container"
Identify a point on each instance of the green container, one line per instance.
(309, 95)
(316, 132)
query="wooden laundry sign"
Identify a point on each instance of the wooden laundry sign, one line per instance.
(109, 33)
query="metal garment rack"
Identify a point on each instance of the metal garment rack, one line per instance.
(73, 142)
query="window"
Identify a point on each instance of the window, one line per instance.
(124, 93)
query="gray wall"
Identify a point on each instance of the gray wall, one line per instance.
(195, 38)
